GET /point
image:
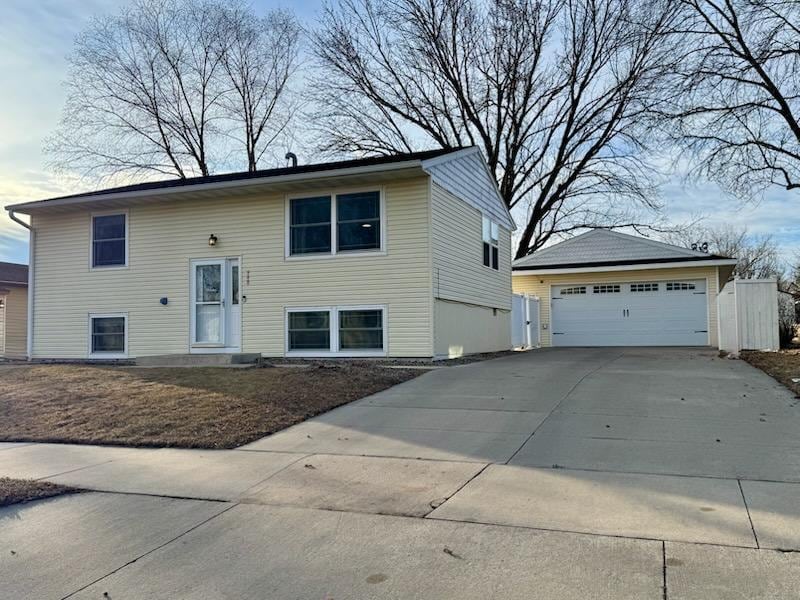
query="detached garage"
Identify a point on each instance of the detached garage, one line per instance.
(605, 288)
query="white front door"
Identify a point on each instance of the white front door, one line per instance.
(216, 308)
(633, 313)
(208, 303)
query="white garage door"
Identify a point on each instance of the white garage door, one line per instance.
(652, 313)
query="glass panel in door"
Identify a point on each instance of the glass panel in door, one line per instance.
(209, 303)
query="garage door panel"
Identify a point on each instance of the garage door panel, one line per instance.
(666, 314)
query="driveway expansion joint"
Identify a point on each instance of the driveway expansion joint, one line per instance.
(747, 509)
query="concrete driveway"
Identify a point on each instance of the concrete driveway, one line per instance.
(564, 473)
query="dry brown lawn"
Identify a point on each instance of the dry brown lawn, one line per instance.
(13, 491)
(178, 407)
(783, 366)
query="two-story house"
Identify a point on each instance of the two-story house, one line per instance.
(400, 256)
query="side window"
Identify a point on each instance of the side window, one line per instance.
(109, 246)
(491, 251)
(358, 221)
(310, 225)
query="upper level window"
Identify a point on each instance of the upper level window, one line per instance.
(332, 224)
(109, 244)
(491, 251)
(358, 221)
(310, 226)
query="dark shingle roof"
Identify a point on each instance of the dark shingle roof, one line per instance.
(262, 174)
(13, 273)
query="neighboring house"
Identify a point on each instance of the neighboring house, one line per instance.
(400, 256)
(13, 310)
(605, 288)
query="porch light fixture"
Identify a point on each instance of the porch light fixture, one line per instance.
(212, 240)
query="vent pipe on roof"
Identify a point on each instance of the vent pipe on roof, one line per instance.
(293, 157)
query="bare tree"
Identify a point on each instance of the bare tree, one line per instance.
(552, 91)
(153, 90)
(737, 92)
(758, 255)
(259, 57)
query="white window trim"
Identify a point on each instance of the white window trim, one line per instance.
(106, 213)
(334, 253)
(499, 227)
(333, 321)
(107, 355)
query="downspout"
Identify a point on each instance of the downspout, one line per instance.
(31, 241)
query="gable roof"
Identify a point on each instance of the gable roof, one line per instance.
(13, 273)
(602, 247)
(429, 162)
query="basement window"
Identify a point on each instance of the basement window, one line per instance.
(336, 331)
(108, 335)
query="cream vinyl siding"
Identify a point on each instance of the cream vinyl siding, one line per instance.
(467, 329)
(13, 344)
(458, 271)
(164, 238)
(539, 285)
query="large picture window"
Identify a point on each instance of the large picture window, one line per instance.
(109, 241)
(345, 330)
(491, 250)
(331, 224)
(108, 335)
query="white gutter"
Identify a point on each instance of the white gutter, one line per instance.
(712, 262)
(219, 185)
(31, 241)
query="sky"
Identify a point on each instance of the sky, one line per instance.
(36, 37)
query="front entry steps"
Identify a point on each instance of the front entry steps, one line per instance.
(238, 359)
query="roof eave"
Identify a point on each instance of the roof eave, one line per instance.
(212, 186)
(638, 266)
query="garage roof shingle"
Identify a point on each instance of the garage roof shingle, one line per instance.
(601, 247)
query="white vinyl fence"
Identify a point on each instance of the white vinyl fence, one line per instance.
(524, 321)
(748, 315)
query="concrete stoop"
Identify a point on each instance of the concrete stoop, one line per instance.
(199, 360)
